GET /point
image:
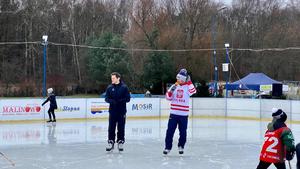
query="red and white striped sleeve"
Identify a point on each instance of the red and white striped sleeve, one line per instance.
(192, 89)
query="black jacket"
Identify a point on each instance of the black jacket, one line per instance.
(52, 100)
(117, 96)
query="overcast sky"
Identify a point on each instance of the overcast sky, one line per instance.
(227, 2)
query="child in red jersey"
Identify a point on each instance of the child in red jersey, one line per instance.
(278, 144)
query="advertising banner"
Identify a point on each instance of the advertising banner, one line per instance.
(97, 108)
(69, 108)
(136, 107)
(143, 107)
(25, 109)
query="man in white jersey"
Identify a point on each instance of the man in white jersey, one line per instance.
(179, 95)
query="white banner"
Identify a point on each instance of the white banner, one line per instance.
(136, 107)
(143, 107)
(69, 108)
(31, 109)
(97, 108)
(21, 109)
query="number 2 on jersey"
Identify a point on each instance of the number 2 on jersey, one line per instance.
(271, 148)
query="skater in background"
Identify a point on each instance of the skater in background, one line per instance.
(278, 144)
(117, 95)
(179, 95)
(53, 105)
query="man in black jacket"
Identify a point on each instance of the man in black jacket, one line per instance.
(53, 105)
(117, 95)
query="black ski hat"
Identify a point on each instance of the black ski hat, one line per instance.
(279, 114)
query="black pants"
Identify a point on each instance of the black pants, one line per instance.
(119, 122)
(265, 165)
(298, 155)
(51, 112)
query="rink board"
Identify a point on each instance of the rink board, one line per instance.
(97, 108)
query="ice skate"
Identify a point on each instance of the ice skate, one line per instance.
(180, 150)
(110, 146)
(121, 145)
(166, 152)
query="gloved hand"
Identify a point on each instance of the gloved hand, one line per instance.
(121, 100)
(188, 79)
(290, 155)
(113, 102)
(172, 88)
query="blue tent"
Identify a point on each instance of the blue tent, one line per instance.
(251, 82)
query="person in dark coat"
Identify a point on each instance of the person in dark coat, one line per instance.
(117, 95)
(53, 105)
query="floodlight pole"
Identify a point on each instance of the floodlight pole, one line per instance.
(214, 32)
(227, 62)
(44, 43)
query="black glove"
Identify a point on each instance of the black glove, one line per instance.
(172, 88)
(121, 100)
(112, 102)
(290, 155)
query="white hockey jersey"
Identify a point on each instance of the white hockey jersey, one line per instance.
(180, 98)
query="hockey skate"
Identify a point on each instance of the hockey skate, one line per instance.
(110, 146)
(166, 151)
(121, 145)
(180, 150)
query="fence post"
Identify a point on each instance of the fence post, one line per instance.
(260, 115)
(291, 110)
(226, 107)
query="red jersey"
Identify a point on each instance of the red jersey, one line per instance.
(273, 150)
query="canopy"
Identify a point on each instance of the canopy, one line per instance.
(251, 82)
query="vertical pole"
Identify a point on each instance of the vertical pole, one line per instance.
(291, 111)
(227, 76)
(214, 55)
(213, 43)
(44, 69)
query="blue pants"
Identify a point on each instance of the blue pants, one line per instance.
(182, 122)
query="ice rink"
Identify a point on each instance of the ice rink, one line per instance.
(212, 144)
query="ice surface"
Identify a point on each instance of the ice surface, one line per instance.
(211, 144)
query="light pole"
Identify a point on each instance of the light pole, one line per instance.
(44, 43)
(227, 63)
(214, 32)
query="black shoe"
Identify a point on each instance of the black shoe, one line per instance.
(49, 121)
(54, 121)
